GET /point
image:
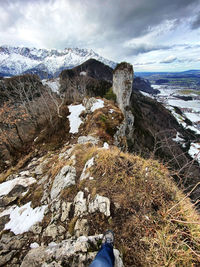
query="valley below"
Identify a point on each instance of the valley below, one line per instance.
(184, 104)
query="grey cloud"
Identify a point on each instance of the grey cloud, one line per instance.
(196, 23)
(145, 63)
(145, 48)
(122, 19)
(168, 60)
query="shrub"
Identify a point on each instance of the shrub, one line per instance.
(110, 95)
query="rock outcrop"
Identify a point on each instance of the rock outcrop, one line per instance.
(122, 87)
(122, 84)
(71, 252)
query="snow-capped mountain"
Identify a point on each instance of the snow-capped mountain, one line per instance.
(18, 60)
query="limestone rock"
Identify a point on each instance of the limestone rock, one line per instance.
(66, 207)
(122, 87)
(36, 229)
(81, 227)
(122, 84)
(88, 139)
(39, 169)
(66, 154)
(51, 231)
(25, 173)
(6, 256)
(118, 259)
(3, 220)
(101, 204)
(88, 103)
(65, 178)
(85, 173)
(80, 204)
(73, 252)
(5, 201)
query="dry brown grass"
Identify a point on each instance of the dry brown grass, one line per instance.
(14, 169)
(71, 225)
(103, 123)
(153, 226)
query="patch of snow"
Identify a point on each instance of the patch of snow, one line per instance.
(194, 117)
(53, 84)
(74, 119)
(98, 104)
(194, 151)
(34, 245)
(22, 218)
(35, 139)
(146, 94)
(194, 129)
(106, 145)
(6, 187)
(83, 73)
(52, 244)
(178, 139)
(85, 174)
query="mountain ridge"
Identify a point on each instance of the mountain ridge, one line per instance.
(19, 60)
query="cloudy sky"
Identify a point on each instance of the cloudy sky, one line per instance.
(153, 35)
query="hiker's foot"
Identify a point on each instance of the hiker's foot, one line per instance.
(108, 237)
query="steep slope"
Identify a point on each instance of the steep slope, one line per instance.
(18, 60)
(55, 204)
(140, 84)
(92, 78)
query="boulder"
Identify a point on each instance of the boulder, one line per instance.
(101, 204)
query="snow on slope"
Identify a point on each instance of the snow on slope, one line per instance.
(22, 218)
(16, 60)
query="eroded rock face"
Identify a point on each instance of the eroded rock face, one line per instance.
(122, 84)
(72, 252)
(122, 87)
(65, 178)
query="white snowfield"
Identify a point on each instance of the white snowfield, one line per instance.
(6, 187)
(98, 104)
(22, 218)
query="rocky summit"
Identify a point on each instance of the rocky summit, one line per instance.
(60, 196)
